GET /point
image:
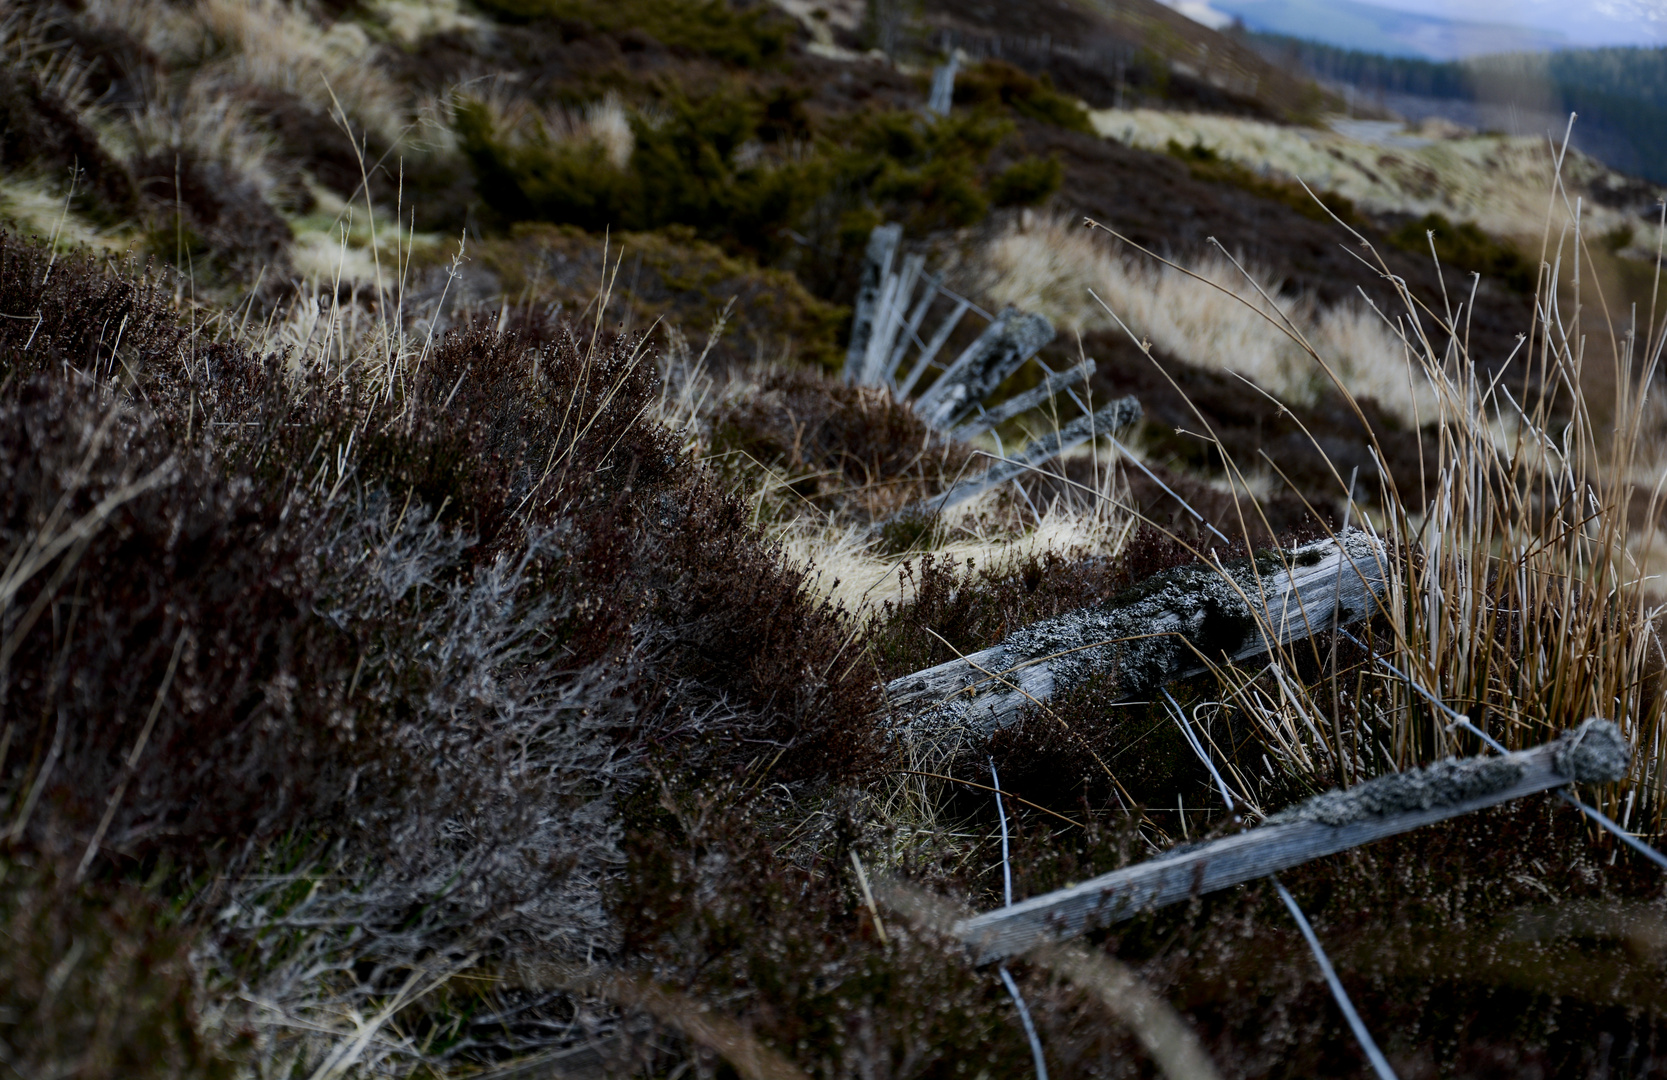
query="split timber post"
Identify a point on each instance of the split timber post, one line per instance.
(1595, 753)
(1156, 632)
(876, 272)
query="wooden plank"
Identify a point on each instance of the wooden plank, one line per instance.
(876, 269)
(911, 329)
(888, 321)
(1596, 752)
(1022, 403)
(933, 347)
(1120, 413)
(1009, 341)
(1153, 634)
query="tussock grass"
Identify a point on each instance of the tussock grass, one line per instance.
(1520, 585)
(1214, 316)
(1499, 182)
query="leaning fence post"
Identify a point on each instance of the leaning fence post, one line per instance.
(876, 268)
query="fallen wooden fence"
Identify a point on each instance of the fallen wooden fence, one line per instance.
(1595, 753)
(1113, 417)
(1162, 630)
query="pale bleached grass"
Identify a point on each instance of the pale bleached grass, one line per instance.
(207, 121)
(1223, 322)
(271, 44)
(604, 123)
(854, 571)
(31, 208)
(409, 21)
(1500, 182)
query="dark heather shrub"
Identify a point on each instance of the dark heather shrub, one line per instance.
(859, 448)
(74, 313)
(160, 639)
(95, 983)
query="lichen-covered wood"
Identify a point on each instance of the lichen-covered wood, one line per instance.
(1014, 337)
(1054, 383)
(1161, 630)
(1595, 753)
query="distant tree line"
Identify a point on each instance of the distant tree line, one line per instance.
(1620, 94)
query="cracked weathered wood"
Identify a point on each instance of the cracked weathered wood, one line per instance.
(1119, 414)
(1161, 630)
(876, 271)
(1022, 403)
(1596, 752)
(1014, 337)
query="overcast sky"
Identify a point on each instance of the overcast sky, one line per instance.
(1583, 22)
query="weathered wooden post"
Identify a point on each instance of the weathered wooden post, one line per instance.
(1009, 341)
(1161, 630)
(876, 269)
(1594, 753)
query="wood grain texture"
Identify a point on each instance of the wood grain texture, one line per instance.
(1160, 631)
(1288, 841)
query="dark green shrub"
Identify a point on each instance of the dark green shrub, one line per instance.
(1027, 181)
(1465, 246)
(1207, 165)
(713, 27)
(683, 170)
(996, 82)
(702, 162)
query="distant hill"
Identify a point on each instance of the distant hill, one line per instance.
(1369, 28)
(1619, 94)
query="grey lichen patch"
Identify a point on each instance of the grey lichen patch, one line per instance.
(1594, 753)
(1446, 783)
(1144, 638)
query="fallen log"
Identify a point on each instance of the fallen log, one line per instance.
(1161, 630)
(1594, 753)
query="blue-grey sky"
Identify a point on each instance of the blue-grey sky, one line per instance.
(1583, 22)
(1446, 29)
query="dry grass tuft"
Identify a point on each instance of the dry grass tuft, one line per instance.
(1216, 319)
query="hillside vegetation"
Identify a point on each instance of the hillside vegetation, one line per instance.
(449, 589)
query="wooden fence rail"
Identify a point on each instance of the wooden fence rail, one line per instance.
(1163, 630)
(1596, 752)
